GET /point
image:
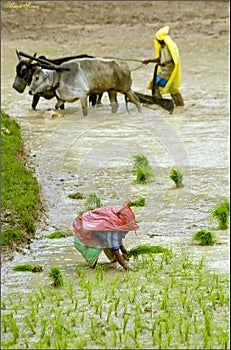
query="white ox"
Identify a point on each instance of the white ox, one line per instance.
(84, 77)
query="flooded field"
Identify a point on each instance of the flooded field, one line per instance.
(171, 301)
(72, 153)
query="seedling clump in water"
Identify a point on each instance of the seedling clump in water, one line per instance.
(56, 275)
(137, 203)
(76, 195)
(146, 249)
(221, 213)
(142, 169)
(92, 202)
(204, 237)
(58, 234)
(177, 176)
(27, 267)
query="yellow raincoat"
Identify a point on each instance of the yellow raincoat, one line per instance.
(174, 83)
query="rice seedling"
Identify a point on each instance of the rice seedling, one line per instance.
(114, 331)
(109, 312)
(44, 322)
(14, 328)
(43, 294)
(125, 322)
(99, 273)
(204, 237)
(150, 312)
(221, 213)
(92, 201)
(94, 328)
(146, 249)
(27, 267)
(132, 296)
(56, 275)
(58, 234)
(140, 202)
(30, 324)
(201, 263)
(25, 338)
(223, 338)
(79, 271)
(176, 175)
(142, 169)
(76, 195)
(116, 304)
(69, 289)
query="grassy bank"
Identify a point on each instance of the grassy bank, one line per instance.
(20, 190)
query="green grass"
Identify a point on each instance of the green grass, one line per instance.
(204, 237)
(20, 190)
(142, 169)
(221, 213)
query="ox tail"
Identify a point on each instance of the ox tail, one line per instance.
(126, 103)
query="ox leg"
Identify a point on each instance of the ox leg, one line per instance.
(59, 104)
(113, 100)
(35, 101)
(132, 97)
(62, 105)
(83, 101)
(99, 102)
(92, 100)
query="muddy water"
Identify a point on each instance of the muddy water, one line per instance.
(71, 153)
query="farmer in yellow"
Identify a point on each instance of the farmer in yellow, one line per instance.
(168, 78)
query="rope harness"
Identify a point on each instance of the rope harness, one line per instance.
(127, 59)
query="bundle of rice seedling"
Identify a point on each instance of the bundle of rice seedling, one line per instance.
(57, 234)
(23, 267)
(56, 275)
(177, 176)
(137, 203)
(146, 249)
(221, 213)
(92, 201)
(204, 237)
(142, 169)
(27, 267)
(76, 195)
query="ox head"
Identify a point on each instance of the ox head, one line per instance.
(24, 72)
(41, 82)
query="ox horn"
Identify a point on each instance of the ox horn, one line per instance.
(46, 64)
(18, 55)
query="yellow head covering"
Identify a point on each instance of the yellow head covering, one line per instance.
(174, 83)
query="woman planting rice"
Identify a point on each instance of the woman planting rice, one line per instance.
(104, 229)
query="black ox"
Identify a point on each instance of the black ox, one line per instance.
(26, 68)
